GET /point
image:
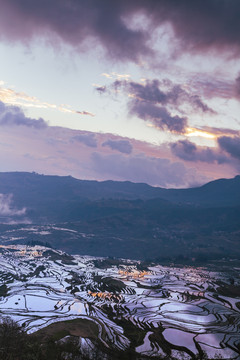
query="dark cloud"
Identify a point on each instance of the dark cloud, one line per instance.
(87, 139)
(201, 24)
(14, 116)
(101, 89)
(159, 116)
(75, 22)
(198, 104)
(198, 24)
(188, 151)
(147, 92)
(219, 131)
(231, 145)
(123, 146)
(152, 91)
(150, 101)
(237, 86)
(178, 96)
(151, 170)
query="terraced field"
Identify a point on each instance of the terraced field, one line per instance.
(157, 311)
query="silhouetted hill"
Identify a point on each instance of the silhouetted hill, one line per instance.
(222, 192)
(32, 188)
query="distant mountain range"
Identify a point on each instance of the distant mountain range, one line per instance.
(32, 187)
(122, 219)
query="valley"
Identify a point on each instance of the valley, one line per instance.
(122, 219)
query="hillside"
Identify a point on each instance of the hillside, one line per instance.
(122, 219)
(30, 188)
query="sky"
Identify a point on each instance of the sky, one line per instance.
(138, 90)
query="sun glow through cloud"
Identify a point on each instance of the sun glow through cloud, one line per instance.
(12, 97)
(191, 132)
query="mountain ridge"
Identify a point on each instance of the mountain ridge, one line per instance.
(121, 219)
(220, 192)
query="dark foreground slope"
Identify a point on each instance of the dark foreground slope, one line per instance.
(122, 219)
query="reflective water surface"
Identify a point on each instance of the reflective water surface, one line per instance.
(178, 311)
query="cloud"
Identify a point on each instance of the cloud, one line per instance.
(215, 87)
(146, 92)
(12, 97)
(100, 89)
(188, 151)
(198, 25)
(210, 132)
(231, 145)
(140, 168)
(237, 86)
(75, 23)
(87, 139)
(14, 116)
(159, 116)
(153, 101)
(202, 25)
(123, 146)
(219, 131)
(7, 208)
(80, 112)
(163, 93)
(54, 151)
(113, 75)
